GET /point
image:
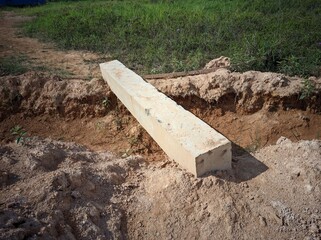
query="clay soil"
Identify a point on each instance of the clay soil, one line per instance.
(87, 170)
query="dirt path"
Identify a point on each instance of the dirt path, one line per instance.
(82, 64)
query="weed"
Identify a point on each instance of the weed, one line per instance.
(106, 102)
(20, 133)
(307, 89)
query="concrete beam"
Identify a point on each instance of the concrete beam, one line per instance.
(185, 138)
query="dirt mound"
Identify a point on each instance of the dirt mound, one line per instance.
(249, 92)
(52, 189)
(280, 198)
(61, 190)
(35, 94)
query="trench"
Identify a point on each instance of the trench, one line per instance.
(116, 130)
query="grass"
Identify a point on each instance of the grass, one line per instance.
(13, 65)
(176, 35)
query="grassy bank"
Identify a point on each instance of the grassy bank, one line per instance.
(163, 36)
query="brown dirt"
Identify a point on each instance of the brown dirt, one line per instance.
(59, 190)
(101, 189)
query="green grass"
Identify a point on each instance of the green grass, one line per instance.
(163, 36)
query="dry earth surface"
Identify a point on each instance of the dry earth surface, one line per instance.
(87, 170)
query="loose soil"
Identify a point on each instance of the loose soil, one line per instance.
(87, 169)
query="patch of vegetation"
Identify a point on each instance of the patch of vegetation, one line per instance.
(106, 102)
(13, 65)
(152, 36)
(307, 90)
(20, 133)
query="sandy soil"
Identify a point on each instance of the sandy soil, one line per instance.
(58, 190)
(87, 170)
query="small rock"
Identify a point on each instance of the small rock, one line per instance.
(283, 140)
(75, 194)
(262, 220)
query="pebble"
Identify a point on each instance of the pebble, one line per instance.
(75, 194)
(262, 220)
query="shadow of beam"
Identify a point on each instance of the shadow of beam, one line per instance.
(244, 166)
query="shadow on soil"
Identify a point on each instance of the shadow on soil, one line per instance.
(244, 166)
